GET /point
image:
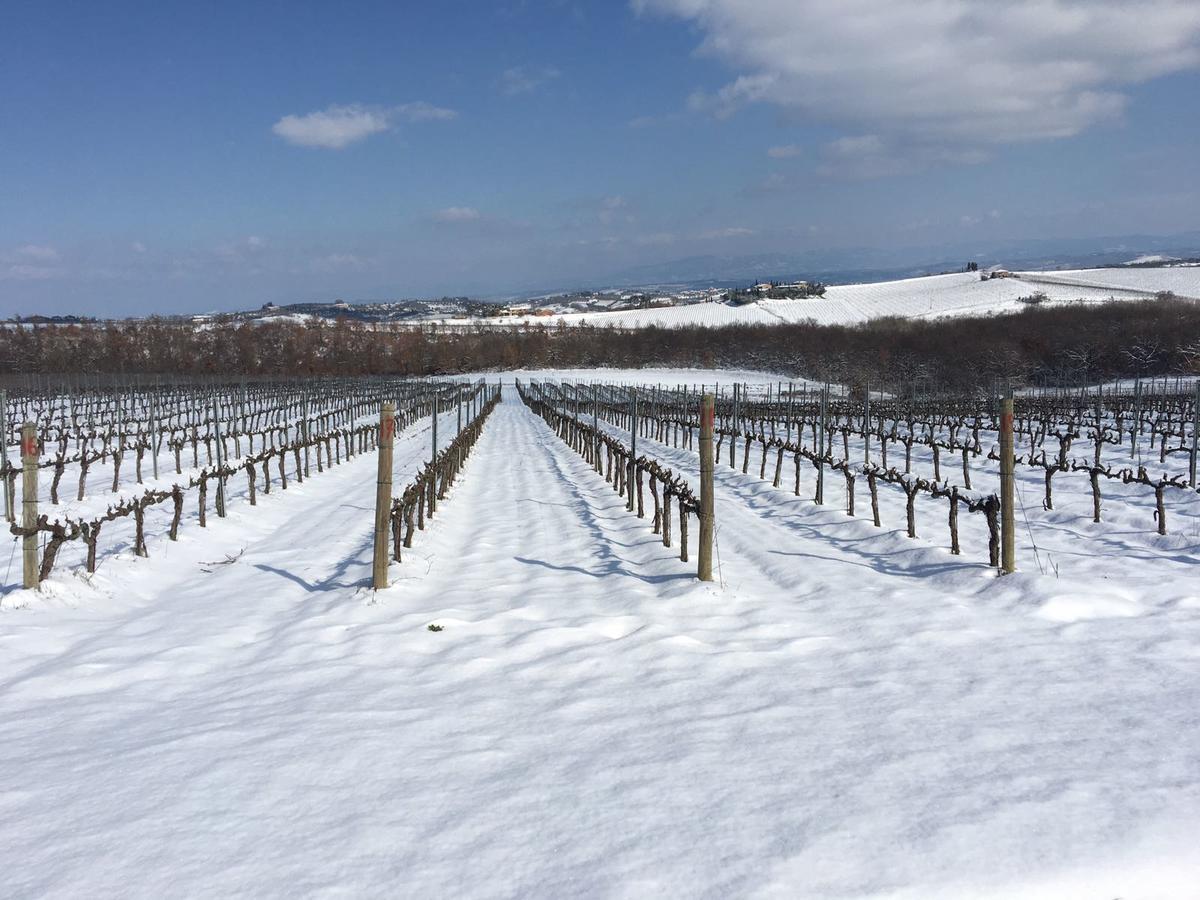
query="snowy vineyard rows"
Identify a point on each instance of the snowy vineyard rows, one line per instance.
(1128, 454)
(1124, 455)
(179, 441)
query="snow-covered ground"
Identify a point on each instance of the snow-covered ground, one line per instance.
(935, 296)
(848, 713)
(1182, 280)
(665, 378)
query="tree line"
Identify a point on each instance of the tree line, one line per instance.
(1046, 344)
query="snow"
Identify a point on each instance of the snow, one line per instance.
(848, 713)
(665, 378)
(1181, 280)
(934, 296)
(1151, 258)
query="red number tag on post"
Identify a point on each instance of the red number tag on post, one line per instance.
(29, 446)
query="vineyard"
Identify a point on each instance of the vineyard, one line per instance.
(138, 455)
(477, 612)
(1131, 452)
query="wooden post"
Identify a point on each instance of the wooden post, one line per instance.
(4, 454)
(1136, 431)
(819, 497)
(383, 496)
(154, 429)
(437, 407)
(788, 425)
(707, 517)
(304, 415)
(29, 502)
(633, 429)
(220, 460)
(1195, 436)
(1008, 530)
(736, 417)
(596, 426)
(867, 424)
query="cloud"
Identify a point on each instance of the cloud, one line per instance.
(453, 214)
(337, 127)
(30, 262)
(39, 252)
(656, 239)
(611, 208)
(864, 156)
(338, 262)
(869, 156)
(785, 151)
(137, 247)
(332, 128)
(26, 272)
(967, 220)
(524, 79)
(969, 72)
(244, 250)
(725, 233)
(774, 184)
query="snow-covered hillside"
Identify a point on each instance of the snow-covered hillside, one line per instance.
(960, 294)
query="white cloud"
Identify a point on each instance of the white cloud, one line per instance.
(452, 214)
(332, 128)
(969, 220)
(38, 251)
(864, 156)
(25, 272)
(611, 207)
(137, 247)
(245, 250)
(785, 151)
(972, 72)
(340, 126)
(338, 262)
(523, 79)
(871, 156)
(659, 238)
(30, 262)
(724, 233)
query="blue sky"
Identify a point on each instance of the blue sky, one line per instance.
(163, 157)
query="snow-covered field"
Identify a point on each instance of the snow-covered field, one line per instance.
(934, 296)
(847, 713)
